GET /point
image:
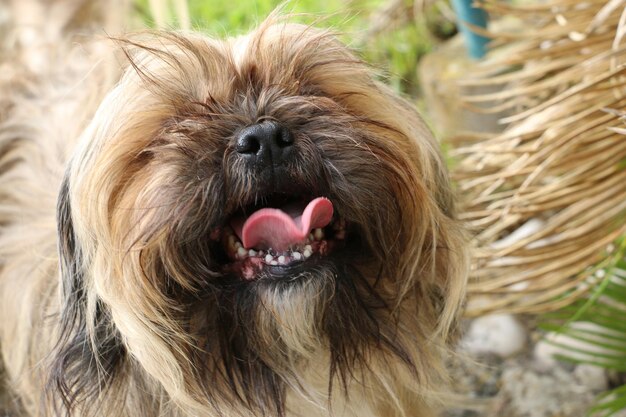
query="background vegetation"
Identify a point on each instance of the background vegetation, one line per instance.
(391, 35)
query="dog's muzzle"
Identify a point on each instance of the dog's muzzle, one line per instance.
(286, 225)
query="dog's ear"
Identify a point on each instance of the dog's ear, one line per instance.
(89, 352)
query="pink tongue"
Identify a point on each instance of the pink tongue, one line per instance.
(276, 229)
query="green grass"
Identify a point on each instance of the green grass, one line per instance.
(395, 53)
(232, 17)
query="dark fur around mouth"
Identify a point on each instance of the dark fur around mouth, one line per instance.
(246, 358)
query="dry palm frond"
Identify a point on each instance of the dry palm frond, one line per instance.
(547, 197)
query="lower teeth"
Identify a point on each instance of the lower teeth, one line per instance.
(274, 258)
(315, 243)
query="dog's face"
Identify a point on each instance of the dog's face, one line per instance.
(239, 209)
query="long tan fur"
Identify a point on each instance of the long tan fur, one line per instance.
(141, 319)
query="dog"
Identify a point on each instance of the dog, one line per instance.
(253, 226)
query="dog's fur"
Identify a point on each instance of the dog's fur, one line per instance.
(113, 301)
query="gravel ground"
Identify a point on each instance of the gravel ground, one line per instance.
(512, 374)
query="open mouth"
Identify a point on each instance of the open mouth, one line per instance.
(282, 233)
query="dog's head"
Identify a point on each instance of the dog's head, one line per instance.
(240, 210)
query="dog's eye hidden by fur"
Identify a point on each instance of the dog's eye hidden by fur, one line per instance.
(244, 227)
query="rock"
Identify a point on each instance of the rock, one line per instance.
(592, 377)
(544, 354)
(538, 394)
(552, 345)
(499, 334)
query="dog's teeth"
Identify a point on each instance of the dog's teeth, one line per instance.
(311, 238)
(241, 252)
(308, 247)
(238, 245)
(268, 258)
(252, 252)
(307, 252)
(296, 255)
(273, 263)
(318, 234)
(281, 259)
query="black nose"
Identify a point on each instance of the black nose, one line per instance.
(267, 143)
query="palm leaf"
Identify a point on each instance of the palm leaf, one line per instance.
(592, 330)
(610, 403)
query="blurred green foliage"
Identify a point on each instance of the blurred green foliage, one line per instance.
(395, 50)
(229, 17)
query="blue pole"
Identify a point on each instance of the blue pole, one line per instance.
(476, 44)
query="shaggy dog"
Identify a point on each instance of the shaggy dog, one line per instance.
(244, 227)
